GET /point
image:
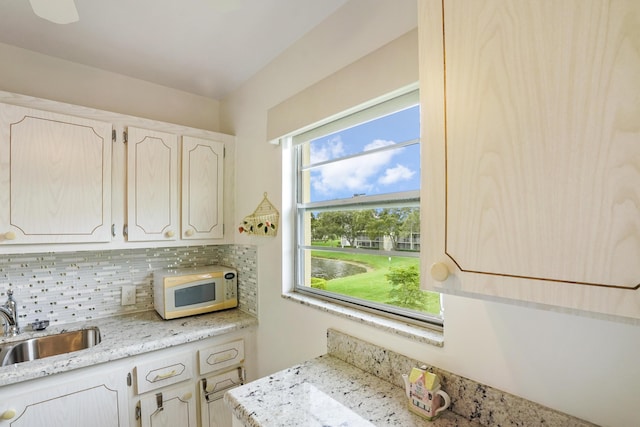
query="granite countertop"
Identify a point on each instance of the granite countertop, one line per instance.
(327, 392)
(124, 336)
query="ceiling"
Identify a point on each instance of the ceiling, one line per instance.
(205, 47)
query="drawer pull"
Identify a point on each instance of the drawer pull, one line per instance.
(165, 376)
(222, 356)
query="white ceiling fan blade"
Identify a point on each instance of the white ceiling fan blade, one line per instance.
(56, 11)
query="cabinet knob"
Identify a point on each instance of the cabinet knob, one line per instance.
(8, 414)
(170, 233)
(187, 396)
(189, 233)
(439, 271)
(9, 235)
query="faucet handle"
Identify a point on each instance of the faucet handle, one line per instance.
(9, 293)
(40, 325)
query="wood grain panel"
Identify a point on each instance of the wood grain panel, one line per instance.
(531, 129)
(202, 176)
(56, 177)
(542, 132)
(152, 182)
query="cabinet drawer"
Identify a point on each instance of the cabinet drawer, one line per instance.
(216, 357)
(162, 372)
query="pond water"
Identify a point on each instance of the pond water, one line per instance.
(333, 269)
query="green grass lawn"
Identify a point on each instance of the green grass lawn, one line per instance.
(373, 285)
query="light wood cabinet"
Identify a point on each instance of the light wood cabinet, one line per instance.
(173, 194)
(55, 177)
(98, 400)
(70, 181)
(170, 392)
(202, 191)
(152, 185)
(531, 136)
(175, 406)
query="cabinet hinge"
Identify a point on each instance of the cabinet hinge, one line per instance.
(125, 136)
(224, 152)
(125, 230)
(113, 135)
(129, 379)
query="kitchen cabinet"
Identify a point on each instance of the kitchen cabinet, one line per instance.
(152, 185)
(173, 195)
(202, 190)
(74, 178)
(175, 406)
(98, 400)
(55, 177)
(213, 411)
(130, 391)
(223, 365)
(531, 155)
(168, 389)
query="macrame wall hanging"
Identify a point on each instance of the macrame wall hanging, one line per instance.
(263, 221)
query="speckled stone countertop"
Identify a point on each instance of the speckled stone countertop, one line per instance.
(360, 384)
(327, 392)
(124, 336)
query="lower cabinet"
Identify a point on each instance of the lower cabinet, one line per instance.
(181, 386)
(213, 411)
(97, 398)
(174, 406)
(185, 388)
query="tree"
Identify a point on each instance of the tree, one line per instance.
(405, 288)
(343, 224)
(393, 222)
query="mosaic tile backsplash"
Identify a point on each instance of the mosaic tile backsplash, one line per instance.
(76, 286)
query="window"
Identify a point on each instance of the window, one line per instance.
(357, 192)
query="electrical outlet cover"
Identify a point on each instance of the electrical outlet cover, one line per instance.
(128, 295)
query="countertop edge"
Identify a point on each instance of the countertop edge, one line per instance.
(125, 336)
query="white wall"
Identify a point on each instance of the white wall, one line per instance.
(578, 365)
(29, 73)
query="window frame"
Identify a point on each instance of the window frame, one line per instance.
(374, 110)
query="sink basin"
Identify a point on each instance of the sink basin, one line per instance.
(47, 346)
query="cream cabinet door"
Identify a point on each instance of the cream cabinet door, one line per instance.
(171, 407)
(202, 193)
(55, 177)
(532, 150)
(98, 401)
(152, 185)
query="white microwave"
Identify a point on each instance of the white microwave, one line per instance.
(189, 291)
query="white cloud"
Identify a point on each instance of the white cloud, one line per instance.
(397, 174)
(356, 175)
(330, 150)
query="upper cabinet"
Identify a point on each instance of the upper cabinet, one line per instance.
(74, 178)
(202, 191)
(531, 136)
(173, 194)
(152, 185)
(55, 178)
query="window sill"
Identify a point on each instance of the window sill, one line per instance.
(421, 334)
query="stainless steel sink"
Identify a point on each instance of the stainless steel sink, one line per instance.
(47, 346)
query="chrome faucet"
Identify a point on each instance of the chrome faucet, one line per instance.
(9, 311)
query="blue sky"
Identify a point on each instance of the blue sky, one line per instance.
(385, 172)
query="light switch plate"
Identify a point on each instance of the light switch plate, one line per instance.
(128, 295)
